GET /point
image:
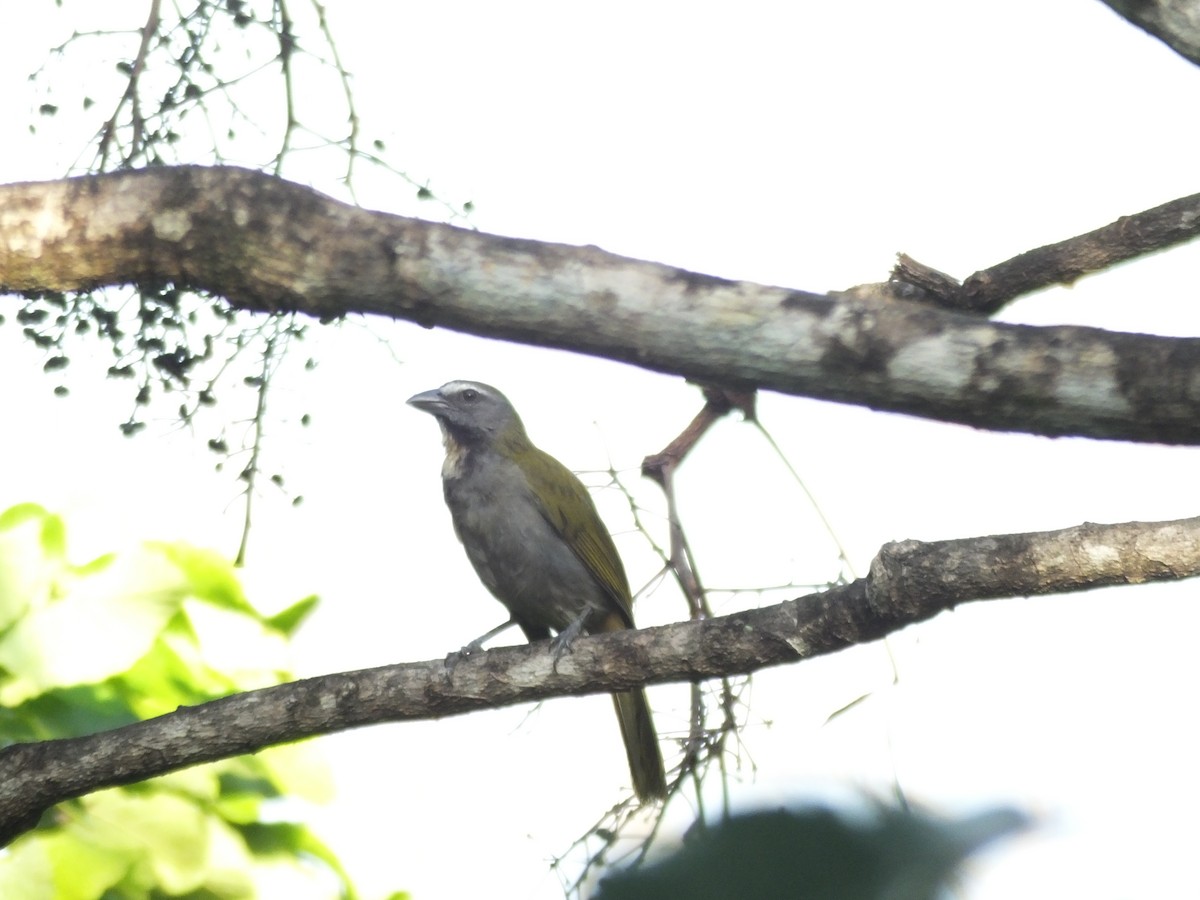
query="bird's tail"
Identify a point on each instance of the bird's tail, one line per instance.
(641, 745)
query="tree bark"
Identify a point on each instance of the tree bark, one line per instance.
(1174, 22)
(265, 244)
(908, 582)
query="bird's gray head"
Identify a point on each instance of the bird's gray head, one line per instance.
(470, 412)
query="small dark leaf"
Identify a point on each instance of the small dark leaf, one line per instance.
(469, 206)
(253, 381)
(61, 391)
(88, 102)
(305, 420)
(47, 109)
(378, 144)
(297, 500)
(120, 371)
(129, 429)
(125, 67)
(206, 398)
(218, 445)
(277, 480)
(151, 343)
(143, 395)
(424, 193)
(54, 363)
(40, 340)
(175, 363)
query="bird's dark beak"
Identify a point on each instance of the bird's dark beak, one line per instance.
(429, 401)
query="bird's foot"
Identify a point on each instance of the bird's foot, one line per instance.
(564, 639)
(454, 657)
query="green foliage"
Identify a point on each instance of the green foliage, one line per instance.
(84, 648)
(816, 854)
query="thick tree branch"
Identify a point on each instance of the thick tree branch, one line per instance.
(908, 582)
(266, 244)
(1174, 22)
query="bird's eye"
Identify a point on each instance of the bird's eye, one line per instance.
(470, 394)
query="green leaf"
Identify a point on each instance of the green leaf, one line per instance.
(287, 621)
(237, 645)
(27, 577)
(82, 869)
(89, 648)
(26, 872)
(54, 537)
(297, 772)
(242, 793)
(95, 567)
(165, 836)
(209, 575)
(66, 712)
(170, 675)
(289, 839)
(18, 515)
(55, 644)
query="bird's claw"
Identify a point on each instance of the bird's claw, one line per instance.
(562, 641)
(454, 657)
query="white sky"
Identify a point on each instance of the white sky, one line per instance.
(796, 148)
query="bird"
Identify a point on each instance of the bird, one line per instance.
(535, 539)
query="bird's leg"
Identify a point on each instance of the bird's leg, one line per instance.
(476, 645)
(564, 639)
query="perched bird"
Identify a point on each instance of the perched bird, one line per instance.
(532, 533)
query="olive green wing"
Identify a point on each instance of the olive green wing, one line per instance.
(568, 507)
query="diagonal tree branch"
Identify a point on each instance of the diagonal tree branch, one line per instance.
(908, 582)
(1174, 22)
(990, 290)
(265, 244)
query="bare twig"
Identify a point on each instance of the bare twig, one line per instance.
(131, 95)
(989, 290)
(660, 467)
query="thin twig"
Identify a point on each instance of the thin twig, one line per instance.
(250, 473)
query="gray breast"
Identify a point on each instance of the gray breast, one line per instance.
(516, 552)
